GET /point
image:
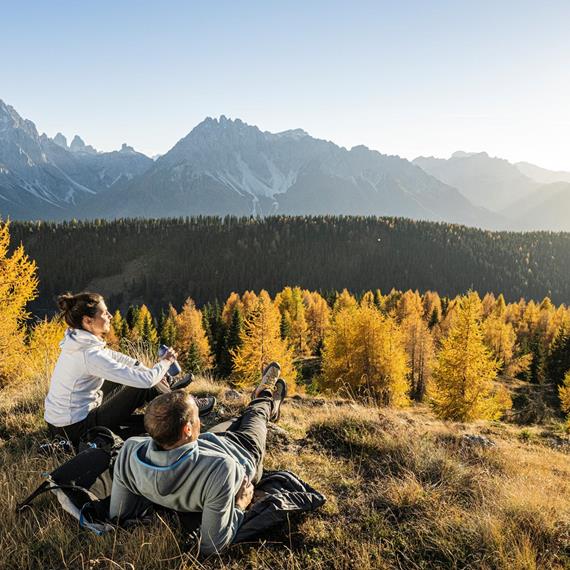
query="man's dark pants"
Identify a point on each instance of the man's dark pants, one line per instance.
(249, 431)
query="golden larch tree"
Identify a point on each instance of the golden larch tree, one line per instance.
(261, 343)
(418, 342)
(249, 302)
(290, 304)
(318, 315)
(364, 353)
(344, 301)
(43, 348)
(232, 302)
(564, 393)
(462, 380)
(18, 286)
(190, 335)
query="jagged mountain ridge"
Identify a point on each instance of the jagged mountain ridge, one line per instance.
(43, 178)
(228, 167)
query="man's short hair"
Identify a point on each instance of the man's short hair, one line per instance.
(166, 415)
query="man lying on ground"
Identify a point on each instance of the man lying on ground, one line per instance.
(180, 469)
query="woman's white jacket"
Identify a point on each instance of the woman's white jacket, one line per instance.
(83, 365)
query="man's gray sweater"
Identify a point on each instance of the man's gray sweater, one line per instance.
(202, 476)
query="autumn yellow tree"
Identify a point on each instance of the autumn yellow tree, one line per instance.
(364, 352)
(249, 302)
(261, 343)
(344, 301)
(168, 328)
(18, 286)
(292, 310)
(564, 393)
(43, 348)
(318, 315)
(191, 340)
(418, 342)
(462, 381)
(232, 302)
(143, 329)
(367, 300)
(432, 308)
(409, 305)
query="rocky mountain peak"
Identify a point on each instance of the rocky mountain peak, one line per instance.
(78, 145)
(61, 141)
(126, 149)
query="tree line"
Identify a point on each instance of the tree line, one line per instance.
(162, 261)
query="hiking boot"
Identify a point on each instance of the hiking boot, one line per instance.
(279, 394)
(205, 405)
(181, 382)
(174, 383)
(268, 379)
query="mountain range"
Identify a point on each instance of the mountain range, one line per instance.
(225, 166)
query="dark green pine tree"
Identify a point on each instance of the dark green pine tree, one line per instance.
(232, 342)
(192, 360)
(215, 330)
(285, 327)
(132, 315)
(536, 372)
(558, 361)
(434, 318)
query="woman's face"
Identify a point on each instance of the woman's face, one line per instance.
(100, 324)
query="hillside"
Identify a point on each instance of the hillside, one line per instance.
(403, 491)
(164, 261)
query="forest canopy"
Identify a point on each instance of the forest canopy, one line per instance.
(162, 261)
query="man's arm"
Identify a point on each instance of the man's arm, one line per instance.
(124, 503)
(220, 518)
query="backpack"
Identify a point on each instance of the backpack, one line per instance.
(83, 484)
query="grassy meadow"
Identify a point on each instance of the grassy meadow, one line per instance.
(403, 489)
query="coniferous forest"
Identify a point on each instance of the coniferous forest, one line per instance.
(162, 261)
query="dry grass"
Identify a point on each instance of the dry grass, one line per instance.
(404, 491)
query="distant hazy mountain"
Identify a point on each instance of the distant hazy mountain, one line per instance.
(542, 175)
(44, 178)
(228, 167)
(530, 197)
(491, 182)
(545, 209)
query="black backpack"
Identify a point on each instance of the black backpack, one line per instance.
(83, 484)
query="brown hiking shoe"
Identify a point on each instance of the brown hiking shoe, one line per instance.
(268, 379)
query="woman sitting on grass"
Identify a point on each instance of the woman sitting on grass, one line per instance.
(77, 399)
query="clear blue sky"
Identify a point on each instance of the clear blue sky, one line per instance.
(403, 77)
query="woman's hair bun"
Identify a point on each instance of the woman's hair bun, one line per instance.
(65, 302)
(74, 307)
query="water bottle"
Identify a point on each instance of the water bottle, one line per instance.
(174, 369)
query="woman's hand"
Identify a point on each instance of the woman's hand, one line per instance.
(171, 355)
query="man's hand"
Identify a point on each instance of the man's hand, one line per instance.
(244, 494)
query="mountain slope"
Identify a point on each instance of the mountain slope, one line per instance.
(546, 209)
(491, 182)
(228, 167)
(44, 178)
(542, 175)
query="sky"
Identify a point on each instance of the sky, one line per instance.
(423, 77)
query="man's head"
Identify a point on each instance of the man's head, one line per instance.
(172, 419)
